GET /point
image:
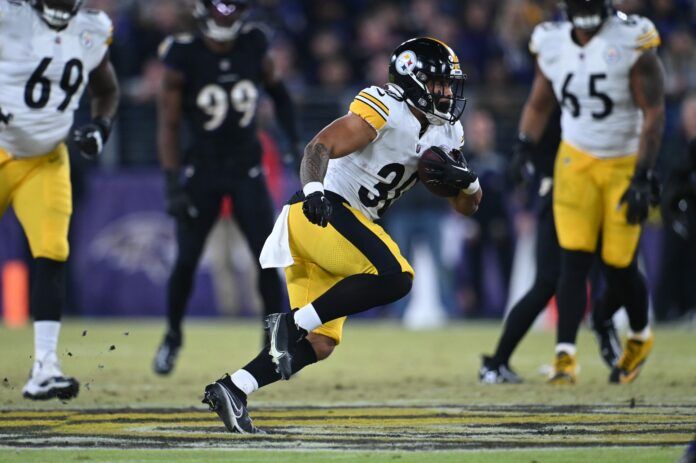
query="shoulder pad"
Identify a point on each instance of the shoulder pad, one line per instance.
(251, 27)
(546, 33)
(638, 32)
(373, 105)
(98, 22)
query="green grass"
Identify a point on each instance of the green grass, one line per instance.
(377, 364)
(650, 455)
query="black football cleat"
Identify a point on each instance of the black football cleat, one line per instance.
(608, 341)
(230, 407)
(167, 353)
(284, 335)
(489, 373)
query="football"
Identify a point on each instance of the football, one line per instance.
(434, 154)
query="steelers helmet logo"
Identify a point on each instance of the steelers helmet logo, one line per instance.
(405, 62)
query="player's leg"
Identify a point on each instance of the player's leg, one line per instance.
(577, 209)
(191, 235)
(228, 395)
(603, 309)
(254, 212)
(619, 246)
(370, 265)
(496, 369)
(43, 204)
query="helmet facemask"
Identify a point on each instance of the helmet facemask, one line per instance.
(587, 15)
(221, 20)
(442, 99)
(57, 13)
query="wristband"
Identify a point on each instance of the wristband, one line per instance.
(473, 188)
(312, 187)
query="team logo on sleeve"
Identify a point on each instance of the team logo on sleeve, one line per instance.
(612, 55)
(405, 62)
(86, 39)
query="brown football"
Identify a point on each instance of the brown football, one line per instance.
(434, 154)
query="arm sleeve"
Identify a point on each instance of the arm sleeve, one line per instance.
(171, 53)
(371, 104)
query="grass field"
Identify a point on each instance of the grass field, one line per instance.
(386, 395)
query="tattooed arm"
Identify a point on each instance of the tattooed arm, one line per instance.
(343, 136)
(647, 87)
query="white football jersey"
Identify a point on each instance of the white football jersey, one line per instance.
(44, 73)
(592, 84)
(373, 178)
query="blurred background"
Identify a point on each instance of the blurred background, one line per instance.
(122, 243)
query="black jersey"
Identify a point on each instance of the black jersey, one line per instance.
(220, 96)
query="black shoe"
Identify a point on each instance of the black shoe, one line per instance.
(490, 373)
(284, 335)
(167, 352)
(608, 340)
(230, 407)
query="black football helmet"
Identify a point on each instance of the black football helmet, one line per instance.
(57, 13)
(220, 20)
(419, 61)
(587, 14)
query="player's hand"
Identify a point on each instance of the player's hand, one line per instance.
(178, 204)
(520, 170)
(317, 208)
(90, 138)
(454, 172)
(638, 197)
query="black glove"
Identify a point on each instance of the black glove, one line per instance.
(454, 172)
(92, 137)
(317, 208)
(178, 203)
(638, 196)
(521, 169)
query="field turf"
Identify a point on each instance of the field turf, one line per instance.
(387, 394)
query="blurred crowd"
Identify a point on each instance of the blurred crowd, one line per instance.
(326, 50)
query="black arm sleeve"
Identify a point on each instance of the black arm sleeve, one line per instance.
(285, 111)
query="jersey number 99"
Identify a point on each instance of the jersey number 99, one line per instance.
(213, 100)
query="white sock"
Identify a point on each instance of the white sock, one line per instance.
(642, 335)
(307, 318)
(245, 381)
(45, 338)
(566, 347)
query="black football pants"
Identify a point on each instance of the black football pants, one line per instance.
(253, 211)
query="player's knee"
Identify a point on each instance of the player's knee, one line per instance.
(402, 284)
(56, 249)
(576, 263)
(615, 259)
(323, 345)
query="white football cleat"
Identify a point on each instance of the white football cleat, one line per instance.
(47, 381)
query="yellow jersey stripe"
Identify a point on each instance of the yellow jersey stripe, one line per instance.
(373, 106)
(368, 113)
(652, 43)
(376, 101)
(646, 34)
(647, 38)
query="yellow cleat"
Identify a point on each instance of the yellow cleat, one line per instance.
(631, 361)
(565, 370)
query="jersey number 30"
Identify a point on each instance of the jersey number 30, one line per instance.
(38, 89)
(213, 101)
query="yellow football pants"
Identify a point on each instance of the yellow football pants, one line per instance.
(325, 256)
(39, 191)
(586, 196)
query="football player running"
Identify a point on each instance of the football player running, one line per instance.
(51, 51)
(602, 68)
(337, 261)
(212, 82)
